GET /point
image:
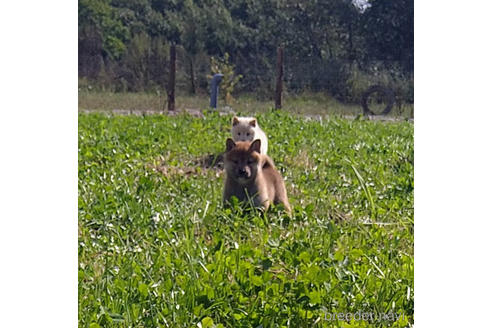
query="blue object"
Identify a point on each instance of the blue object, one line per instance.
(214, 89)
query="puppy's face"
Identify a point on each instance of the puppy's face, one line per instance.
(242, 160)
(243, 129)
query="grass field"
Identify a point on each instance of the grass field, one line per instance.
(156, 248)
(303, 103)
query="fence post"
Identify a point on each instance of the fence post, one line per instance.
(172, 78)
(192, 75)
(280, 76)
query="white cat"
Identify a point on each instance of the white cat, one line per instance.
(247, 129)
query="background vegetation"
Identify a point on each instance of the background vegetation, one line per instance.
(338, 47)
(156, 248)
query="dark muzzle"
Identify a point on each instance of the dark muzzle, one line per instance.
(242, 173)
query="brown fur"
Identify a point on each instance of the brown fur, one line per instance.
(251, 175)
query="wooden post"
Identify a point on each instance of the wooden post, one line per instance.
(172, 78)
(192, 78)
(280, 76)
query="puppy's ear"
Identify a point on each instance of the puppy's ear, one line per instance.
(230, 144)
(255, 146)
(235, 121)
(253, 123)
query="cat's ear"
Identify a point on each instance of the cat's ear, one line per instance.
(230, 144)
(255, 146)
(235, 121)
(253, 123)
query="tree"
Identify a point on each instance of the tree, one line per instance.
(98, 19)
(389, 31)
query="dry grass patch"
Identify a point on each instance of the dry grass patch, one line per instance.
(203, 165)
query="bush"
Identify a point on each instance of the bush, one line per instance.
(360, 81)
(230, 79)
(345, 81)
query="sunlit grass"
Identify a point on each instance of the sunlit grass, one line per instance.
(156, 248)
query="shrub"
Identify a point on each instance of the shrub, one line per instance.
(230, 79)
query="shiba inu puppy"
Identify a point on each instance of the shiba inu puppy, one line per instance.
(247, 129)
(252, 176)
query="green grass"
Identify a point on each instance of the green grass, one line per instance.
(307, 103)
(156, 248)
